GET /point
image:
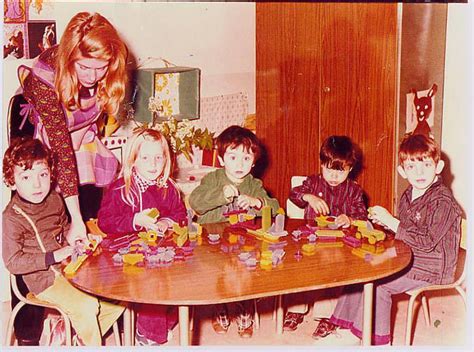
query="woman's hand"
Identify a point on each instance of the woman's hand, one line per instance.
(318, 204)
(245, 202)
(343, 221)
(77, 232)
(62, 253)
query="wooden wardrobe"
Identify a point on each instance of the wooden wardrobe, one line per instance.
(327, 69)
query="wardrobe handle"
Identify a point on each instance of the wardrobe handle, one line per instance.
(326, 89)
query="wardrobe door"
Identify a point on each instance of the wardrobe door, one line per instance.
(288, 91)
(358, 87)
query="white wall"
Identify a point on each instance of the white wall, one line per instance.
(219, 38)
(457, 136)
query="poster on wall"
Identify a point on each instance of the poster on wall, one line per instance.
(14, 11)
(14, 40)
(41, 36)
(41, 10)
(421, 111)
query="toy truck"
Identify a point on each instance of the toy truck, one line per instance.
(373, 236)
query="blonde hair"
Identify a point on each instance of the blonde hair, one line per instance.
(132, 149)
(91, 36)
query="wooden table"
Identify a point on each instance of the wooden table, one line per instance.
(211, 276)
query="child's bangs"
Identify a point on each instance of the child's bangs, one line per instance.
(337, 164)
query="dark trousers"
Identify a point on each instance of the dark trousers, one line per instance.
(90, 197)
(29, 320)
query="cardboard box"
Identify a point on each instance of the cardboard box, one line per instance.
(177, 90)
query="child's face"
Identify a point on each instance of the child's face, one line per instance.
(335, 177)
(150, 161)
(237, 163)
(421, 173)
(33, 184)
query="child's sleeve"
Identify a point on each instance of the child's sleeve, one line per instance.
(308, 187)
(208, 195)
(16, 260)
(358, 209)
(441, 217)
(176, 210)
(114, 216)
(258, 191)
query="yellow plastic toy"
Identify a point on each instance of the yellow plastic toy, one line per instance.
(373, 236)
(72, 267)
(324, 221)
(329, 233)
(153, 213)
(132, 258)
(308, 249)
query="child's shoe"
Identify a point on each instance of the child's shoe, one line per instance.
(244, 325)
(141, 340)
(292, 320)
(324, 328)
(221, 322)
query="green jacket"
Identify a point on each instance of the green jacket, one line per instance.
(207, 200)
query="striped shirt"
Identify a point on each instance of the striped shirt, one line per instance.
(431, 226)
(346, 198)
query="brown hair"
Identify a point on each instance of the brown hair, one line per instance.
(91, 36)
(418, 147)
(338, 152)
(234, 136)
(24, 152)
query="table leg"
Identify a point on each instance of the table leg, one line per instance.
(368, 313)
(183, 312)
(279, 315)
(127, 326)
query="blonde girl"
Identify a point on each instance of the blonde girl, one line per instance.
(144, 183)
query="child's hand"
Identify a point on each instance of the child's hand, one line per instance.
(142, 219)
(343, 220)
(245, 202)
(318, 204)
(93, 237)
(230, 191)
(381, 216)
(62, 253)
(162, 226)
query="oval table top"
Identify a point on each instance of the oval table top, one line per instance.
(211, 276)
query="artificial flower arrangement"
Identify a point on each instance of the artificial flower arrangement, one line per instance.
(181, 135)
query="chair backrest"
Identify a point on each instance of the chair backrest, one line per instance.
(461, 266)
(293, 211)
(463, 243)
(16, 290)
(18, 125)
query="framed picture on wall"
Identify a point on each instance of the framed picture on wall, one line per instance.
(14, 11)
(41, 36)
(14, 41)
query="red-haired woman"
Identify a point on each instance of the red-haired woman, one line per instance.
(68, 88)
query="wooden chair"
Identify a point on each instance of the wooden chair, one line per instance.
(292, 211)
(32, 300)
(457, 285)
